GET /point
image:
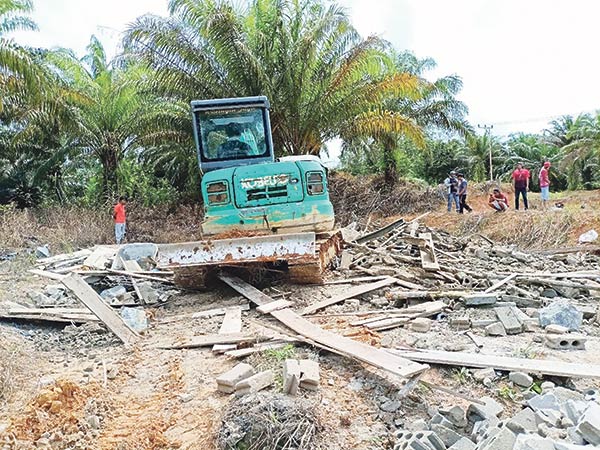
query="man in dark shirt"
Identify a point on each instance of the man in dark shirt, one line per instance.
(462, 194)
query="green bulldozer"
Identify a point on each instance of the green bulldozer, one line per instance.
(274, 214)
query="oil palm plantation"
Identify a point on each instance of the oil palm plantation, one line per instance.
(322, 78)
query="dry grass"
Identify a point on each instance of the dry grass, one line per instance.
(9, 358)
(356, 198)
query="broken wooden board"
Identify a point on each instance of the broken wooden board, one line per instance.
(355, 280)
(478, 360)
(100, 257)
(63, 257)
(380, 232)
(345, 346)
(48, 274)
(243, 352)
(274, 306)
(213, 339)
(428, 258)
(105, 313)
(350, 293)
(232, 323)
(56, 315)
(500, 283)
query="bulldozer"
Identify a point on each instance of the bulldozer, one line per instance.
(260, 213)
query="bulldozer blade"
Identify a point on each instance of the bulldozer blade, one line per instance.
(260, 249)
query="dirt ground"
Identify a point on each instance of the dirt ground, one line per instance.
(62, 387)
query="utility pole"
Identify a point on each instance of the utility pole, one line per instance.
(487, 129)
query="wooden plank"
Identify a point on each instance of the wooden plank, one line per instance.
(21, 310)
(478, 360)
(350, 293)
(356, 280)
(47, 274)
(311, 332)
(131, 265)
(500, 283)
(242, 352)
(138, 275)
(232, 323)
(55, 318)
(380, 232)
(64, 257)
(212, 339)
(105, 313)
(428, 258)
(274, 306)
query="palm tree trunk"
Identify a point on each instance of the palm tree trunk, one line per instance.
(390, 170)
(110, 163)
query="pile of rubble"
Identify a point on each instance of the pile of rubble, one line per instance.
(556, 419)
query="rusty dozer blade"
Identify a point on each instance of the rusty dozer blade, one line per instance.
(305, 256)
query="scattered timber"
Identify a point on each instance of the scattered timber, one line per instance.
(477, 360)
(350, 293)
(348, 347)
(232, 324)
(105, 313)
(213, 339)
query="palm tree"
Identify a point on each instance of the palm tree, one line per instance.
(475, 155)
(581, 155)
(322, 78)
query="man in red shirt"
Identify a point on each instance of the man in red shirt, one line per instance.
(545, 184)
(119, 216)
(498, 201)
(521, 184)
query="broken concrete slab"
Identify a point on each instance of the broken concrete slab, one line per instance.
(589, 424)
(565, 341)
(550, 417)
(135, 318)
(502, 440)
(520, 379)
(545, 401)
(510, 319)
(556, 329)
(227, 381)
(480, 299)
(448, 436)
(533, 442)
(456, 415)
(463, 444)
(495, 329)
(490, 408)
(255, 383)
(561, 312)
(291, 376)
(523, 422)
(309, 374)
(113, 292)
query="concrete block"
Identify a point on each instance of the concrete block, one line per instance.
(227, 381)
(438, 419)
(504, 439)
(477, 412)
(463, 444)
(291, 376)
(574, 409)
(523, 422)
(533, 442)
(447, 436)
(510, 318)
(460, 323)
(589, 424)
(547, 386)
(567, 446)
(421, 440)
(480, 299)
(549, 416)
(456, 415)
(495, 329)
(556, 329)
(520, 379)
(421, 324)
(309, 374)
(545, 401)
(255, 383)
(566, 341)
(417, 425)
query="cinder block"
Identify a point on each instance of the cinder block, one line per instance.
(227, 381)
(255, 383)
(421, 440)
(291, 376)
(480, 299)
(309, 374)
(589, 424)
(566, 341)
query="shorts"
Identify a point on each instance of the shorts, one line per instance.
(546, 193)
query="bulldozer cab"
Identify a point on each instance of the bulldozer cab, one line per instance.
(232, 132)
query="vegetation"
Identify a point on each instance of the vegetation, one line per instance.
(81, 130)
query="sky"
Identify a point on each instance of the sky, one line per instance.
(523, 62)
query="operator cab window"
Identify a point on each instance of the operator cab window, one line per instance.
(232, 134)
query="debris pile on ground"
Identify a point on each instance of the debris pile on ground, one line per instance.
(267, 421)
(557, 419)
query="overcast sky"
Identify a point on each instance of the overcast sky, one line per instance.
(522, 62)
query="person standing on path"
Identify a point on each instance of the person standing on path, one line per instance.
(521, 184)
(120, 221)
(451, 184)
(545, 184)
(462, 194)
